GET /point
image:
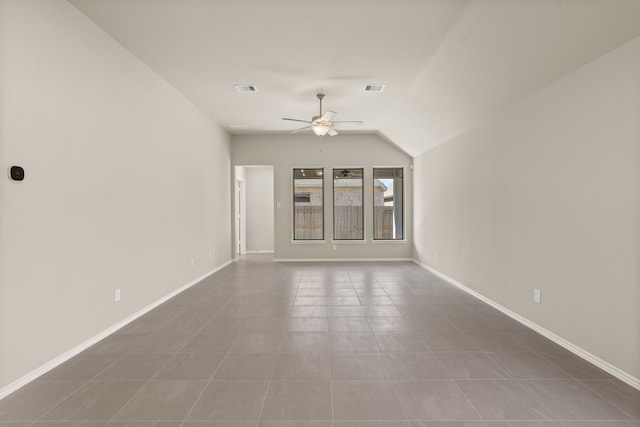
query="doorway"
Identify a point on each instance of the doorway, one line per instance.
(254, 206)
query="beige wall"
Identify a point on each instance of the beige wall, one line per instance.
(126, 182)
(286, 152)
(547, 195)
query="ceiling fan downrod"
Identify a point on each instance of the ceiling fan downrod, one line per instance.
(320, 96)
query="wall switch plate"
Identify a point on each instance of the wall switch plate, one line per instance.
(210, 256)
(335, 247)
(537, 295)
(278, 205)
(117, 295)
(193, 262)
(437, 255)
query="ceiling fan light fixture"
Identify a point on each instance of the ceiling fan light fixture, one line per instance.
(320, 129)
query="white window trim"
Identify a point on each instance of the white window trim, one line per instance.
(292, 201)
(364, 206)
(404, 206)
(349, 242)
(308, 242)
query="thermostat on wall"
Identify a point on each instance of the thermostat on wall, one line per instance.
(16, 173)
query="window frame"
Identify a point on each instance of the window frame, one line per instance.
(373, 208)
(333, 194)
(293, 203)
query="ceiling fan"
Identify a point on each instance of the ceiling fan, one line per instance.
(347, 173)
(321, 124)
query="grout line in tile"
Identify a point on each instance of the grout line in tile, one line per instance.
(186, 417)
(273, 368)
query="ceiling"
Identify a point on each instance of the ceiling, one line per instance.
(447, 64)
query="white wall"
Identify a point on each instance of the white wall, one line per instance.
(259, 208)
(547, 195)
(126, 181)
(286, 152)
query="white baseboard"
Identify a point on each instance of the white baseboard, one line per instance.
(26, 379)
(578, 351)
(259, 252)
(340, 259)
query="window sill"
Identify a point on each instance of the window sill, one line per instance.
(389, 242)
(308, 242)
(349, 242)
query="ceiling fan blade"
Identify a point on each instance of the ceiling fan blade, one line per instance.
(300, 129)
(296, 120)
(353, 122)
(326, 117)
(331, 132)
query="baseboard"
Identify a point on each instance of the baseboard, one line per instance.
(26, 379)
(341, 259)
(578, 351)
(259, 252)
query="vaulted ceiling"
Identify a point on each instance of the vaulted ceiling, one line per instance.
(447, 64)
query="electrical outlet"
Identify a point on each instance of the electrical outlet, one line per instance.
(193, 262)
(537, 295)
(335, 247)
(437, 255)
(210, 256)
(117, 295)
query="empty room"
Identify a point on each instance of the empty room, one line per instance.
(356, 213)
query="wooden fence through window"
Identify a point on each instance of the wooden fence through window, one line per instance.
(347, 222)
(308, 222)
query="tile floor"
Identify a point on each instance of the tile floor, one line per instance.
(266, 344)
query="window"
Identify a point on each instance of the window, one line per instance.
(308, 204)
(348, 195)
(388, 223)
(302, 197)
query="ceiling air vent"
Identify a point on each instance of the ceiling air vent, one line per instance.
(246, 88)
(374, 88)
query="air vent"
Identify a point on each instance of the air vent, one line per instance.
(374, 88)
(246, 88)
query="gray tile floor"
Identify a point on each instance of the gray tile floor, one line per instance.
(347, 344)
